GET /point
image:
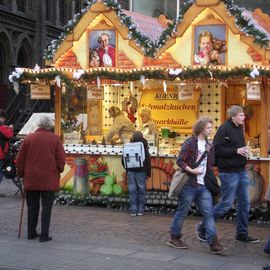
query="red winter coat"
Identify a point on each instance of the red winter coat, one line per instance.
(40, 160)
(7, 133)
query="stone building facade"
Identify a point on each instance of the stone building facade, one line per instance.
(26, 29)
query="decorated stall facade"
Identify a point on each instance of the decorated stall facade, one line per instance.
(213, 56)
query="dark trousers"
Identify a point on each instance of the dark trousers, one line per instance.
(33, 204)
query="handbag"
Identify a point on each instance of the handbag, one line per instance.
(180, 178)
(211, 183)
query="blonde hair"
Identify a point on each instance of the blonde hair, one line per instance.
(205, 34)
(234, 110)
(200, 125)
(146, 112)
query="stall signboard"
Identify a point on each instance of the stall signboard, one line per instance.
(253, 91)
(185, 91)
(168, 111)
(93, 92)
(39, 91)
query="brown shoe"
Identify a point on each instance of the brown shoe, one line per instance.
(216, 247)
(176, 242)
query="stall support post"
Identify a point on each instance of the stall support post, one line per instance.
(265, 102)
(57, 110)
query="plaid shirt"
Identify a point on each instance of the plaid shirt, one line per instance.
(188, 156)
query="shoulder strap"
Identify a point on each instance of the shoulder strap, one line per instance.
(201, 159)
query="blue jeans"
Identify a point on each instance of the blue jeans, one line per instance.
(203, 199)
(1, 174)
(137, 190)
(235, 185)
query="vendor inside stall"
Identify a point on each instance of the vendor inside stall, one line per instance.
(121, 129)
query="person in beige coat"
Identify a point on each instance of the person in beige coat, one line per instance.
(122, 127)
(148, 127)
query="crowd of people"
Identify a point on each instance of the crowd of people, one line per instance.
(41, 159)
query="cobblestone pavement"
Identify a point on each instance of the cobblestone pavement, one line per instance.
(100, 239)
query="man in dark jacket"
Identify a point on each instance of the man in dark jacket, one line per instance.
(6, 132)
(231, 153)
(40, 161)
(137, 179)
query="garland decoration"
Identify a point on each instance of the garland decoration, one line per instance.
(191, 73)
(247, 24)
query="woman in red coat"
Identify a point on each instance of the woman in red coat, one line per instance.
(40, 161)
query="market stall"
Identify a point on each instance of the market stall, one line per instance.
(213, 56)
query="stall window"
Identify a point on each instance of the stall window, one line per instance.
(74, 114)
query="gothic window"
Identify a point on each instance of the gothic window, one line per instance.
(50, 10)
(62, 11)
(21, 5)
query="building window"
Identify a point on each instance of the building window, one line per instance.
(62, 12)
(170, 8)
(21, 5)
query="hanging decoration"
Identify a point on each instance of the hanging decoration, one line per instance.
(255, 72)
(196, 74)
(164, 87)
(58, 80)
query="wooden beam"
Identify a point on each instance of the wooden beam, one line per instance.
(57, 110)
(265, 101)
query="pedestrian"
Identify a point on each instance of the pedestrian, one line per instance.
(6, 133)
(137, 177)
(194, 150)
(230, 157)
(40, 161)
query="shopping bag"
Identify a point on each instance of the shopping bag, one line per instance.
(211, 183)
(178, 181)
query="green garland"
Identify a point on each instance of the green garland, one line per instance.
(245, 25)
(189, 74)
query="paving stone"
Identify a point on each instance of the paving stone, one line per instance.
(153, 256)
(112, 251)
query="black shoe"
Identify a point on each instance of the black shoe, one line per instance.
(45, 239)
(33, 236)
(246, 238)
(266, 267)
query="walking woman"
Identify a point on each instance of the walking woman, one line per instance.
(192, 150)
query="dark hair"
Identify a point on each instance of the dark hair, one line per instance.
(137, 135)
(3, 114)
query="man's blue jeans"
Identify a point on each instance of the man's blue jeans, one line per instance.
(203, 199)
(235, 185)
(267, 245)
(1, 174)
(136, 189)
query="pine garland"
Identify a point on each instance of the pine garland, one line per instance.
(194, 74)
(246, 25)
